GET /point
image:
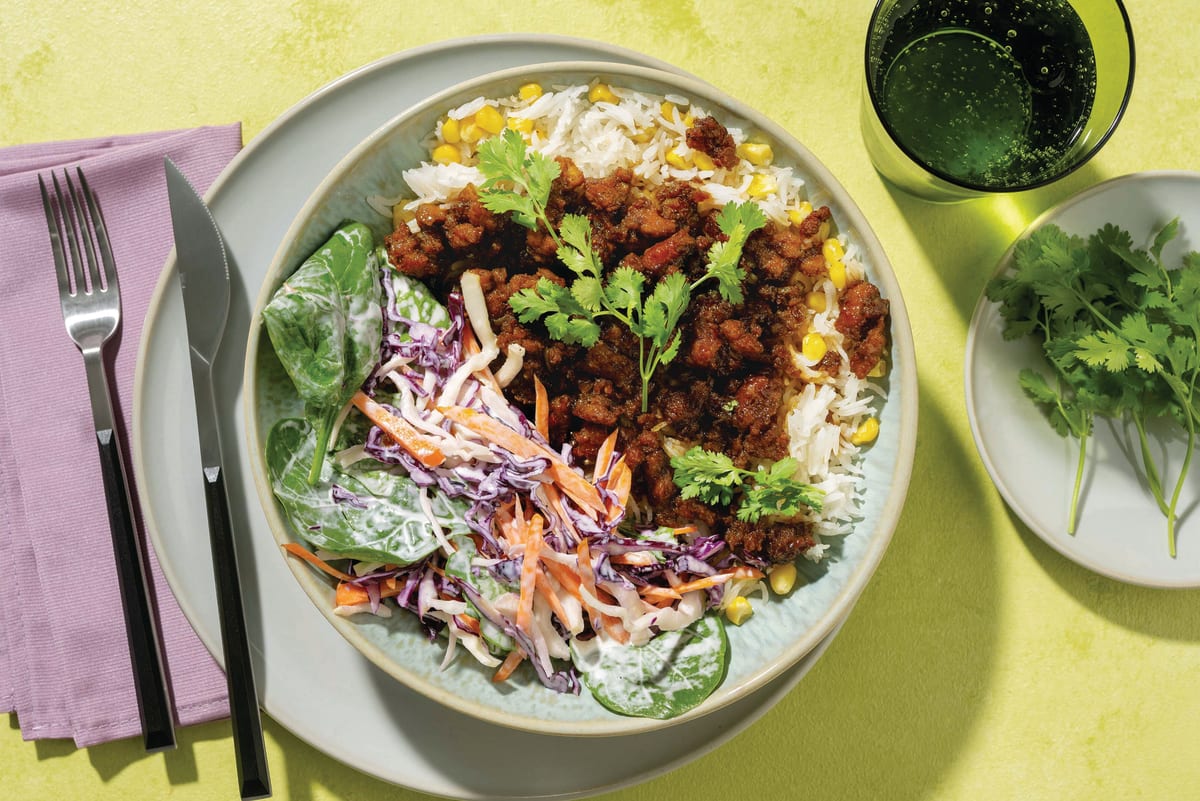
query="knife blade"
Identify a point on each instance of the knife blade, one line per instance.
(204, 279)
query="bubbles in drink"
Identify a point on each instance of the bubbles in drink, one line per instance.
(991, 95)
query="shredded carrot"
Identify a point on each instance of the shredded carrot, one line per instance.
(604, 455)
(350, 595)
(614, 629)
(303, 553)
(541, 408)
(718, 578)
(424, 449)
(633, 558)
(587, 580)
(509, 664)
(546, 590)
(655, 594)
(577, 488)
(620, 481)
(566, 578)
(467, 623)
(529, 573)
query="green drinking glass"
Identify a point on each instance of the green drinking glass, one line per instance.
(966, 98)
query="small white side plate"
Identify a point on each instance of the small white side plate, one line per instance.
(1120, 531)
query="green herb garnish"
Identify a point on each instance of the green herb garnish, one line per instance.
(713, 478)
(517, 181)
(1121, 333)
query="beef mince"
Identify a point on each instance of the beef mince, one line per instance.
(725, 389)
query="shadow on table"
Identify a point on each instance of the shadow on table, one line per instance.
(964, 241)
(1161, 613)
(887, 710)
(108, 760)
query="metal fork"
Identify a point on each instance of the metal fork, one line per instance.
(91, 307)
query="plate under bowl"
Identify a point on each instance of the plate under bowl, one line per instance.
(781, 632)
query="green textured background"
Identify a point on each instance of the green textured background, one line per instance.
(979, 664)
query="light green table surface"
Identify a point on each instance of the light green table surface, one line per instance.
(979, 665)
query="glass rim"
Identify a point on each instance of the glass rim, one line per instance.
(1092, 151)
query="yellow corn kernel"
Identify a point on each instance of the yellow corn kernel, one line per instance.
(832, 250)
(490, 119)
(645, 135)
(782, 578)
(702, 160)
(600, 93)
(815, 300)
(447, 154)
(677, 160)
(689, 119)
(879, 370)
(450, 130)
(800, 213)
(738, 610)
(469, 130)
(530, 91)
(866, 432)
(762, 184)
(668, 110)
(837, 274)
(757, 153)
(521, 124)
(813, 347)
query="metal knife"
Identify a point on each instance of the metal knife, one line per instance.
(204, 278)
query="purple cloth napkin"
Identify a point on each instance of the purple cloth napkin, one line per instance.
(64, 662)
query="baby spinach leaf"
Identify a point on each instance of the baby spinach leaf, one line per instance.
(459, 565)
(661, 679)
(365, 511)
(325, 324)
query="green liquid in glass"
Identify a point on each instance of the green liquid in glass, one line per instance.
(992, 94)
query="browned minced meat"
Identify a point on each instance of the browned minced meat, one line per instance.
(724, 390)
(710, 137)
(862, 320)
(770, 542)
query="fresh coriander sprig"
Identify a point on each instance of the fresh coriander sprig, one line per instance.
(1121, 332)
(572, 314)
(714, 479)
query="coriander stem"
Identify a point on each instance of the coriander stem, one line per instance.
(1152, 477)
(1071, 515)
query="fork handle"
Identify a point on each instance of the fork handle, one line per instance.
(149, 676)
(254, 780)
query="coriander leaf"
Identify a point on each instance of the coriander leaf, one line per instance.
(707, 475)
(1104, 349)
(665, 307)
(713, 478)
(624, 289)
(573, 330)
(737, 221)
(588, 292)
(547, 298)
(1164, 236)
(504, 160)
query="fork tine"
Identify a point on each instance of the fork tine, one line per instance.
(98, 225)
(84, 239)
(65, 212)
(60, 258)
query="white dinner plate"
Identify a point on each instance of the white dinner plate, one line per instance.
(1120, 531)
(311, 680)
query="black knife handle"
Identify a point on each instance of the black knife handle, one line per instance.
(254, 779)
(149, 676)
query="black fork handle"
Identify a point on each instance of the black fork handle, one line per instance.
(254, 780)
(149, 675)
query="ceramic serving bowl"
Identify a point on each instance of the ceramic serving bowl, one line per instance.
(782, 631)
